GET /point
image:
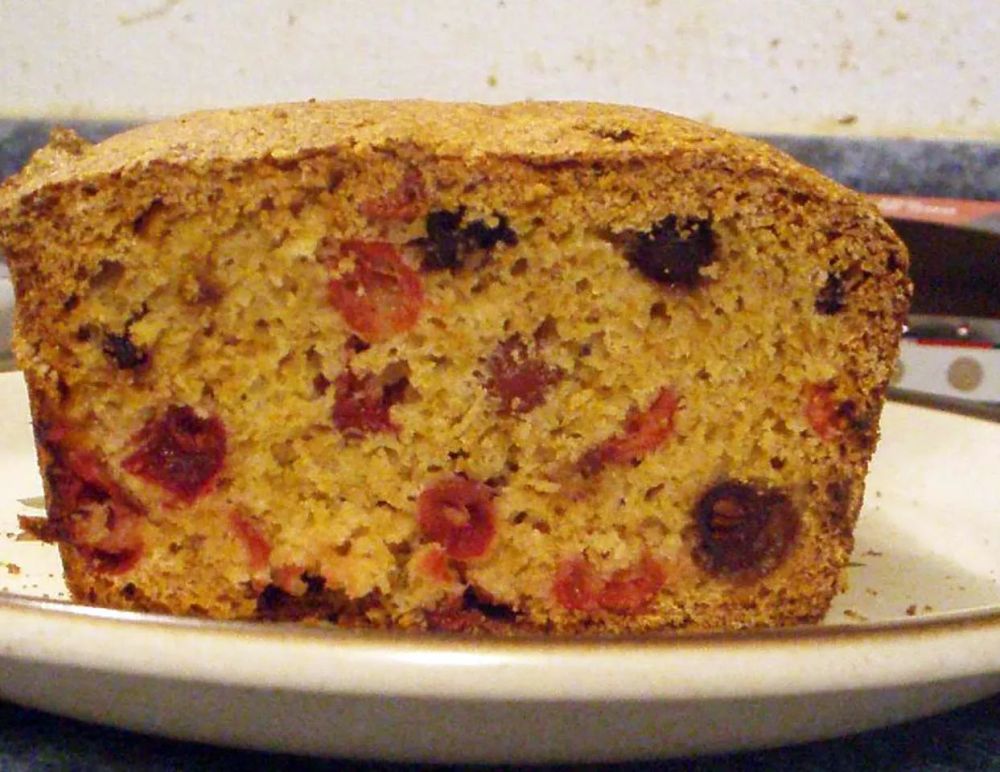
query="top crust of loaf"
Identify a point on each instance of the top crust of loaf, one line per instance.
(537, 132)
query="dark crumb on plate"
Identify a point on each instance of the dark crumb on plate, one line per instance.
(911, 610)
(13, 569)
(852, 614)
(872, 554)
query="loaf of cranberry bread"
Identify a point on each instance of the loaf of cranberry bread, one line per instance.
(558, 367)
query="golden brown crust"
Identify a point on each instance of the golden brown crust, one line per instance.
(541, 132)
(207, 215)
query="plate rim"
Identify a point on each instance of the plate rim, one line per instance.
(384, 664)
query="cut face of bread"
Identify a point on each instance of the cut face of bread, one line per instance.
(554, 367)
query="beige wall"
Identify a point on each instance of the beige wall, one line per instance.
(912, 67)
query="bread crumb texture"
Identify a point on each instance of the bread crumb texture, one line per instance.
(538, 367)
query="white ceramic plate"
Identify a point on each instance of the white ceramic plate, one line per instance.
(918, 632)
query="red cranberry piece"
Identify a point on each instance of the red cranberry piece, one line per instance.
(257, 547)
(381, 296)
(645, 431)
(404, 203)
(744, 529)
(632, 589)
(89, 510)
(822, 411)
(433, 563)
(458, 514)
(180, 452)
(517, 378)
(578, 586)
(362, 404)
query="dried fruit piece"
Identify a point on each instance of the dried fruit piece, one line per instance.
(821, 411)
(441, 244)
(124, 352)
(578, 586)
(832, 296)
(89, 510)
(744, 529)
(362, 403)
(120, 348)
(631, 589)
(458, 514)
(257, 547)
(478, 234)
(644, 432)
(404, 203)
(448, 240)
(673, 252)
(381, 296)
(180, 452)
(518, 379)
(433, 563)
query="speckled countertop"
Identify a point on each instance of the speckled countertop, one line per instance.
(964, 739)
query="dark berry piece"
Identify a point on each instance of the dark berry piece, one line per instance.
(744, 530)
(448, 241)
(442, 241)
(124, 352)
(478, 234)
(832, 297)
(518, 378)
(673, 252)
(180, 451)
